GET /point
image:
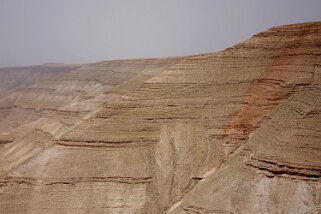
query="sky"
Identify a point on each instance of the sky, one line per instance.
(83, 31)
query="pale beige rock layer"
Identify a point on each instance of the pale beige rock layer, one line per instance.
(236, 131)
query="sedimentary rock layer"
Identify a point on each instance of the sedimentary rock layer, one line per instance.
(39, 104)
(236, 131)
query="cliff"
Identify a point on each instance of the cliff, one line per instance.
(236, 131)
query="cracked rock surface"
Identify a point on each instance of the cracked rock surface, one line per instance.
(237, 131)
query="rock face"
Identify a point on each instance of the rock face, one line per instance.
(236, 131)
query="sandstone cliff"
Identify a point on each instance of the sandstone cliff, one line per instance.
(236, 131)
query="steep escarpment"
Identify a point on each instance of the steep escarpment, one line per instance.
(236, 131)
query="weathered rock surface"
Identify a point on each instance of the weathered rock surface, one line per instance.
(39, 104)
(236, 131)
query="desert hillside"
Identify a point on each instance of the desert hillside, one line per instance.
(237, 131)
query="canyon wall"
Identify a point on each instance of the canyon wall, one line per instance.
(236, 131)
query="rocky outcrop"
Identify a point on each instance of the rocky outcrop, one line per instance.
(236, 131)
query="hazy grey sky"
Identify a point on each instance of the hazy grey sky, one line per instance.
(80, 31)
